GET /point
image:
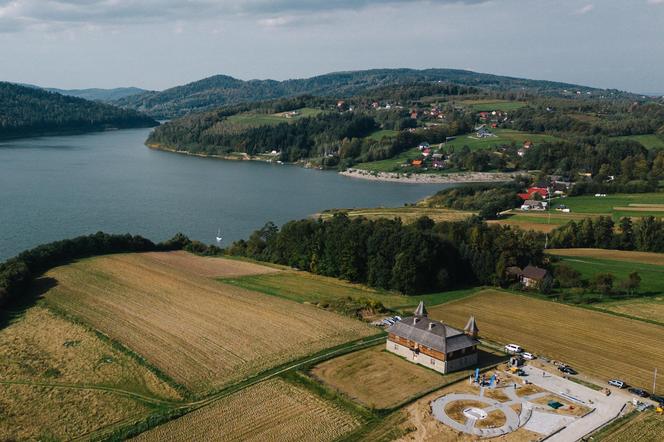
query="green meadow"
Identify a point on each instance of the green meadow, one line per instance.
(493, 105)
(651, 141)
(310, 288)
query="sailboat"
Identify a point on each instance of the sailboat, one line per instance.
(219, 237)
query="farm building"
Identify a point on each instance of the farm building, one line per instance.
(530, 276)
(533, 205)
(433, 344)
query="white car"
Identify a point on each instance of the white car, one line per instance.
(513, 348)
(528, 356)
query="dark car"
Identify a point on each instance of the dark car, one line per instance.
(638, 392)
(659, 399)
(567, 369)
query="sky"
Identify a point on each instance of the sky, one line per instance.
(156, 44)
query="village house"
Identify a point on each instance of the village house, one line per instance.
(530, 193)
(533, 205)
(433, 344)
(530, 276)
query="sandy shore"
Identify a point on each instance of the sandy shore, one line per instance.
(448, 178)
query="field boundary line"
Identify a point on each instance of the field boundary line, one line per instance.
(118, 391)
(182, 408)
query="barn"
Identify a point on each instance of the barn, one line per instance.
(433, 344)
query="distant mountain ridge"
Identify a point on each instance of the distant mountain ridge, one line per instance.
(98, 94)
(32, 111)
(221, 90)
(92, 94)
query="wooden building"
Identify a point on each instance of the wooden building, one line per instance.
(433, 344)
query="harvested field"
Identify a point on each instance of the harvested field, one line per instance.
(617, 255)
(212, 267)
(42, 347)
(526, 225)
(274, 410)
(597, 343)
(43, 413)
(643, 427)
(651, 309)
(377, 378)
(407, 214)
(200, 332)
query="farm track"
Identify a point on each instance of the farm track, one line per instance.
(241, 385)
(114, 390)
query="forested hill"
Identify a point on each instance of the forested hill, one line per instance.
(222, 90)
(27, 111)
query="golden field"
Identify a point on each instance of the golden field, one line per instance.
(644, 427)
(377, 378)
(42, 347)
(616, 255)
(212, 267)
(273, 410)
(597, 343)
(43, 413)
(200, 332)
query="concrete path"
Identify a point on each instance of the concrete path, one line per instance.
(511, 423)
(605, 407)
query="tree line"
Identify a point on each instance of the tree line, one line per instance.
(645, 234)
(421, 257)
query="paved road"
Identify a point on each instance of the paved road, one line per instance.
(606, 407)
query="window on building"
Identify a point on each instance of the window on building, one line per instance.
(396, 347)
(433, 361)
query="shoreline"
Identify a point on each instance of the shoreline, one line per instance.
(451, 178)
(394, 177)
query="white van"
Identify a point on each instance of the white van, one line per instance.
(513, 348)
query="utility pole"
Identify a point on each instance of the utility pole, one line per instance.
(654, 381)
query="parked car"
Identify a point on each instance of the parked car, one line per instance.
(617, 383)
(529, 356)
(567, 369)
(513, 348)
(638, 392)
(658, 399)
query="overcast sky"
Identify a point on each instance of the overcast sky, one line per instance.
(157, 44)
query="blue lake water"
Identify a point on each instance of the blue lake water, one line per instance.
(59, 187)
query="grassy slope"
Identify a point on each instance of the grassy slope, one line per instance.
(648, 141)
(492, 105)
(650, 266)
(306, 287)
(382, 133)
(605, 205)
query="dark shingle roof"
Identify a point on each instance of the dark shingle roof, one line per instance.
(439, 337)
(536, 273)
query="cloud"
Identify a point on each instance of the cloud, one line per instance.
(585, 9)
(21, 14)
(656, 2)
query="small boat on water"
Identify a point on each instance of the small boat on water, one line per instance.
(219, 237)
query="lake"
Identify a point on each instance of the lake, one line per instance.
(53, 188)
